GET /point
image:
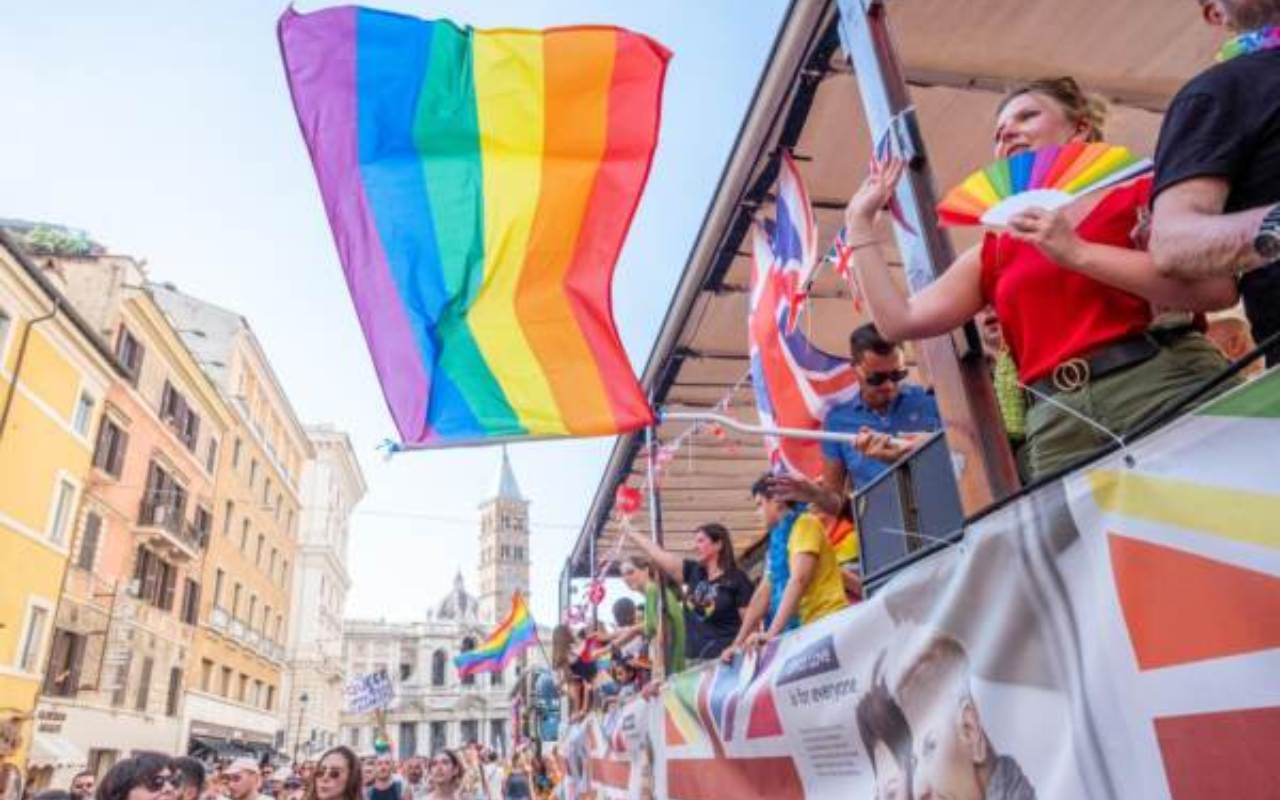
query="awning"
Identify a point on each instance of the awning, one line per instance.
(55, 750)
(225, 748)
(958, 58)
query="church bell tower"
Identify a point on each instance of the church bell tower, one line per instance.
(504, 545)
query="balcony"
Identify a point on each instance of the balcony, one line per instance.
(253, 639)
(167, 532)
(220, 619)
(237, 630)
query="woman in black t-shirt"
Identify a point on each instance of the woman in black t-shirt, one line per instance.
(715, 589)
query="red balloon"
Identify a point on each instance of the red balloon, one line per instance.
(627, 500)
(595, 594)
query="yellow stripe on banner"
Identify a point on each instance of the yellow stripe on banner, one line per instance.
(509, 78)
(1235, 514)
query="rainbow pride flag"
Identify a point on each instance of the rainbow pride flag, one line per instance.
(479, 185)
(515, 635)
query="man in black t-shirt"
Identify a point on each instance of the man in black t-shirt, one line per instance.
(1217, 181)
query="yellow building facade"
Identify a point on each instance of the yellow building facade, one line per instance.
(54, 375)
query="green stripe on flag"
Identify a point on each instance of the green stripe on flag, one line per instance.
(1261, 398)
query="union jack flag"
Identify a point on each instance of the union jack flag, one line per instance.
(795, 239)
(795, 383)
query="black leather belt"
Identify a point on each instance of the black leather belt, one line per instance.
(1077, 373)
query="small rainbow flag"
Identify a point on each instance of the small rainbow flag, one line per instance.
(515, 635)
(479, 185)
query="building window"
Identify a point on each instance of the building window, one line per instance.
(206, 674)
(495, 678)
(470, 731)
(144, 684)
(253, 608)
(226, 683)
(84, 414)
(468, 644)
(165, 500)
(218, 577)
(175, 692)
(243, 689)
(156, 579)
(244, 535)
(235, 602)
(271, 568)
(62, 511)
(257, 556)
(439, 660)
(202, 523)
(175, 410)
(271, 698)
(255, 699)
(228, 512)
(405, 671)
(253, 472)
(62, 675)
(129, 352)
(498, 734)
(191, 602)
(439, 736)
(353, 738)
(108, 453)
(89, 541)
(211, 456)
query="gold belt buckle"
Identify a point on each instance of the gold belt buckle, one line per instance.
(1071, 375)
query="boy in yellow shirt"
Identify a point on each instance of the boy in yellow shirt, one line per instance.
(802, 581)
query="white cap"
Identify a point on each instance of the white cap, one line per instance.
(244, 765)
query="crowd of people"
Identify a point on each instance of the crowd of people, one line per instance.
(473, 772)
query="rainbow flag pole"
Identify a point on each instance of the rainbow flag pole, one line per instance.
(516, 634)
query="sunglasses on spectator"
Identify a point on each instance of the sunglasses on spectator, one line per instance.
(332, 773)
(881, 378)
(157, 782)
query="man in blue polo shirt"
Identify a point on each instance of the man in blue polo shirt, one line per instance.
(889, 416)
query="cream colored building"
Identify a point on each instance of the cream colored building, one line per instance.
(332, 484)
(235, 699)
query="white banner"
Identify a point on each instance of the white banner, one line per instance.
(369, 692)
(1113, 635)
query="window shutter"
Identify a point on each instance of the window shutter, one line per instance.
(75, 662)
(117, 453)
(89, 542)
(57, 663)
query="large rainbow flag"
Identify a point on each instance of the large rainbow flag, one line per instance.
(479, 185)
(515, 635)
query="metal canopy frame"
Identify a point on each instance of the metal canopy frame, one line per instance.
(957, 59)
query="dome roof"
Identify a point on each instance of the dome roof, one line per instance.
(458, 604)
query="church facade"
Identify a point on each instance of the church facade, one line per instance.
(433, 707)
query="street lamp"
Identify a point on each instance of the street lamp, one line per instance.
(297, 735)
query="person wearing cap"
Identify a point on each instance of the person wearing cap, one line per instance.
(244, 780)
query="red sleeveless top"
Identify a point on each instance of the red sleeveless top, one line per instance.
(1050, 314)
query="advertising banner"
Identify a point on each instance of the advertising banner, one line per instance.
(1115, 634)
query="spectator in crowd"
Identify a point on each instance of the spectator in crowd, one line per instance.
(1217, 182)
(627, 639)
(191, 772)
(1073, 292)
(52, 794)
(715, 590)
(517, 785)
(801, 582)
(446, 776)
(290, 786)
(953, 754)
(244, 779)
(368, 771)
(415, 778)
(82, 785)
(337, 777)
(1231, 335)
(842, 534)
(492, 775)
(385, 786)
(886, 739)
(562, 659)
(146, 776)
(638, 575)
(306, 770)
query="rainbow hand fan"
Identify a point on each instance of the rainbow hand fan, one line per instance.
(1049, 178)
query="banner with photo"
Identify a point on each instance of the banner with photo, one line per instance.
(1113, 635)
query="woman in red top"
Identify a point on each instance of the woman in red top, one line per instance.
(1072, 288)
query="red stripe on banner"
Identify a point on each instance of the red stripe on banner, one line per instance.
(1228, 754)
(1180, 607)
(614, 774)
(764, 720)
(634, 108)
(739, 778)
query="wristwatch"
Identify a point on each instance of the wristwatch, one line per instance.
(1267, 242)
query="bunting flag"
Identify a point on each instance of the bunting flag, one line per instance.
(516, 634)
(479, 185)
(795, 383)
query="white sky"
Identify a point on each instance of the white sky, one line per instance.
(164, 129)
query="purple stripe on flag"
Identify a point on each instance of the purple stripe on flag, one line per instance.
(320, 63)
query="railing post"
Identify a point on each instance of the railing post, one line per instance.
(975, 431)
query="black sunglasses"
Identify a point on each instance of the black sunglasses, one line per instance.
(156, 783)
(881, 378)
(332, 773)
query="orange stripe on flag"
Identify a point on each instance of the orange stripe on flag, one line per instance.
(1180, 607)
(1228, 754)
